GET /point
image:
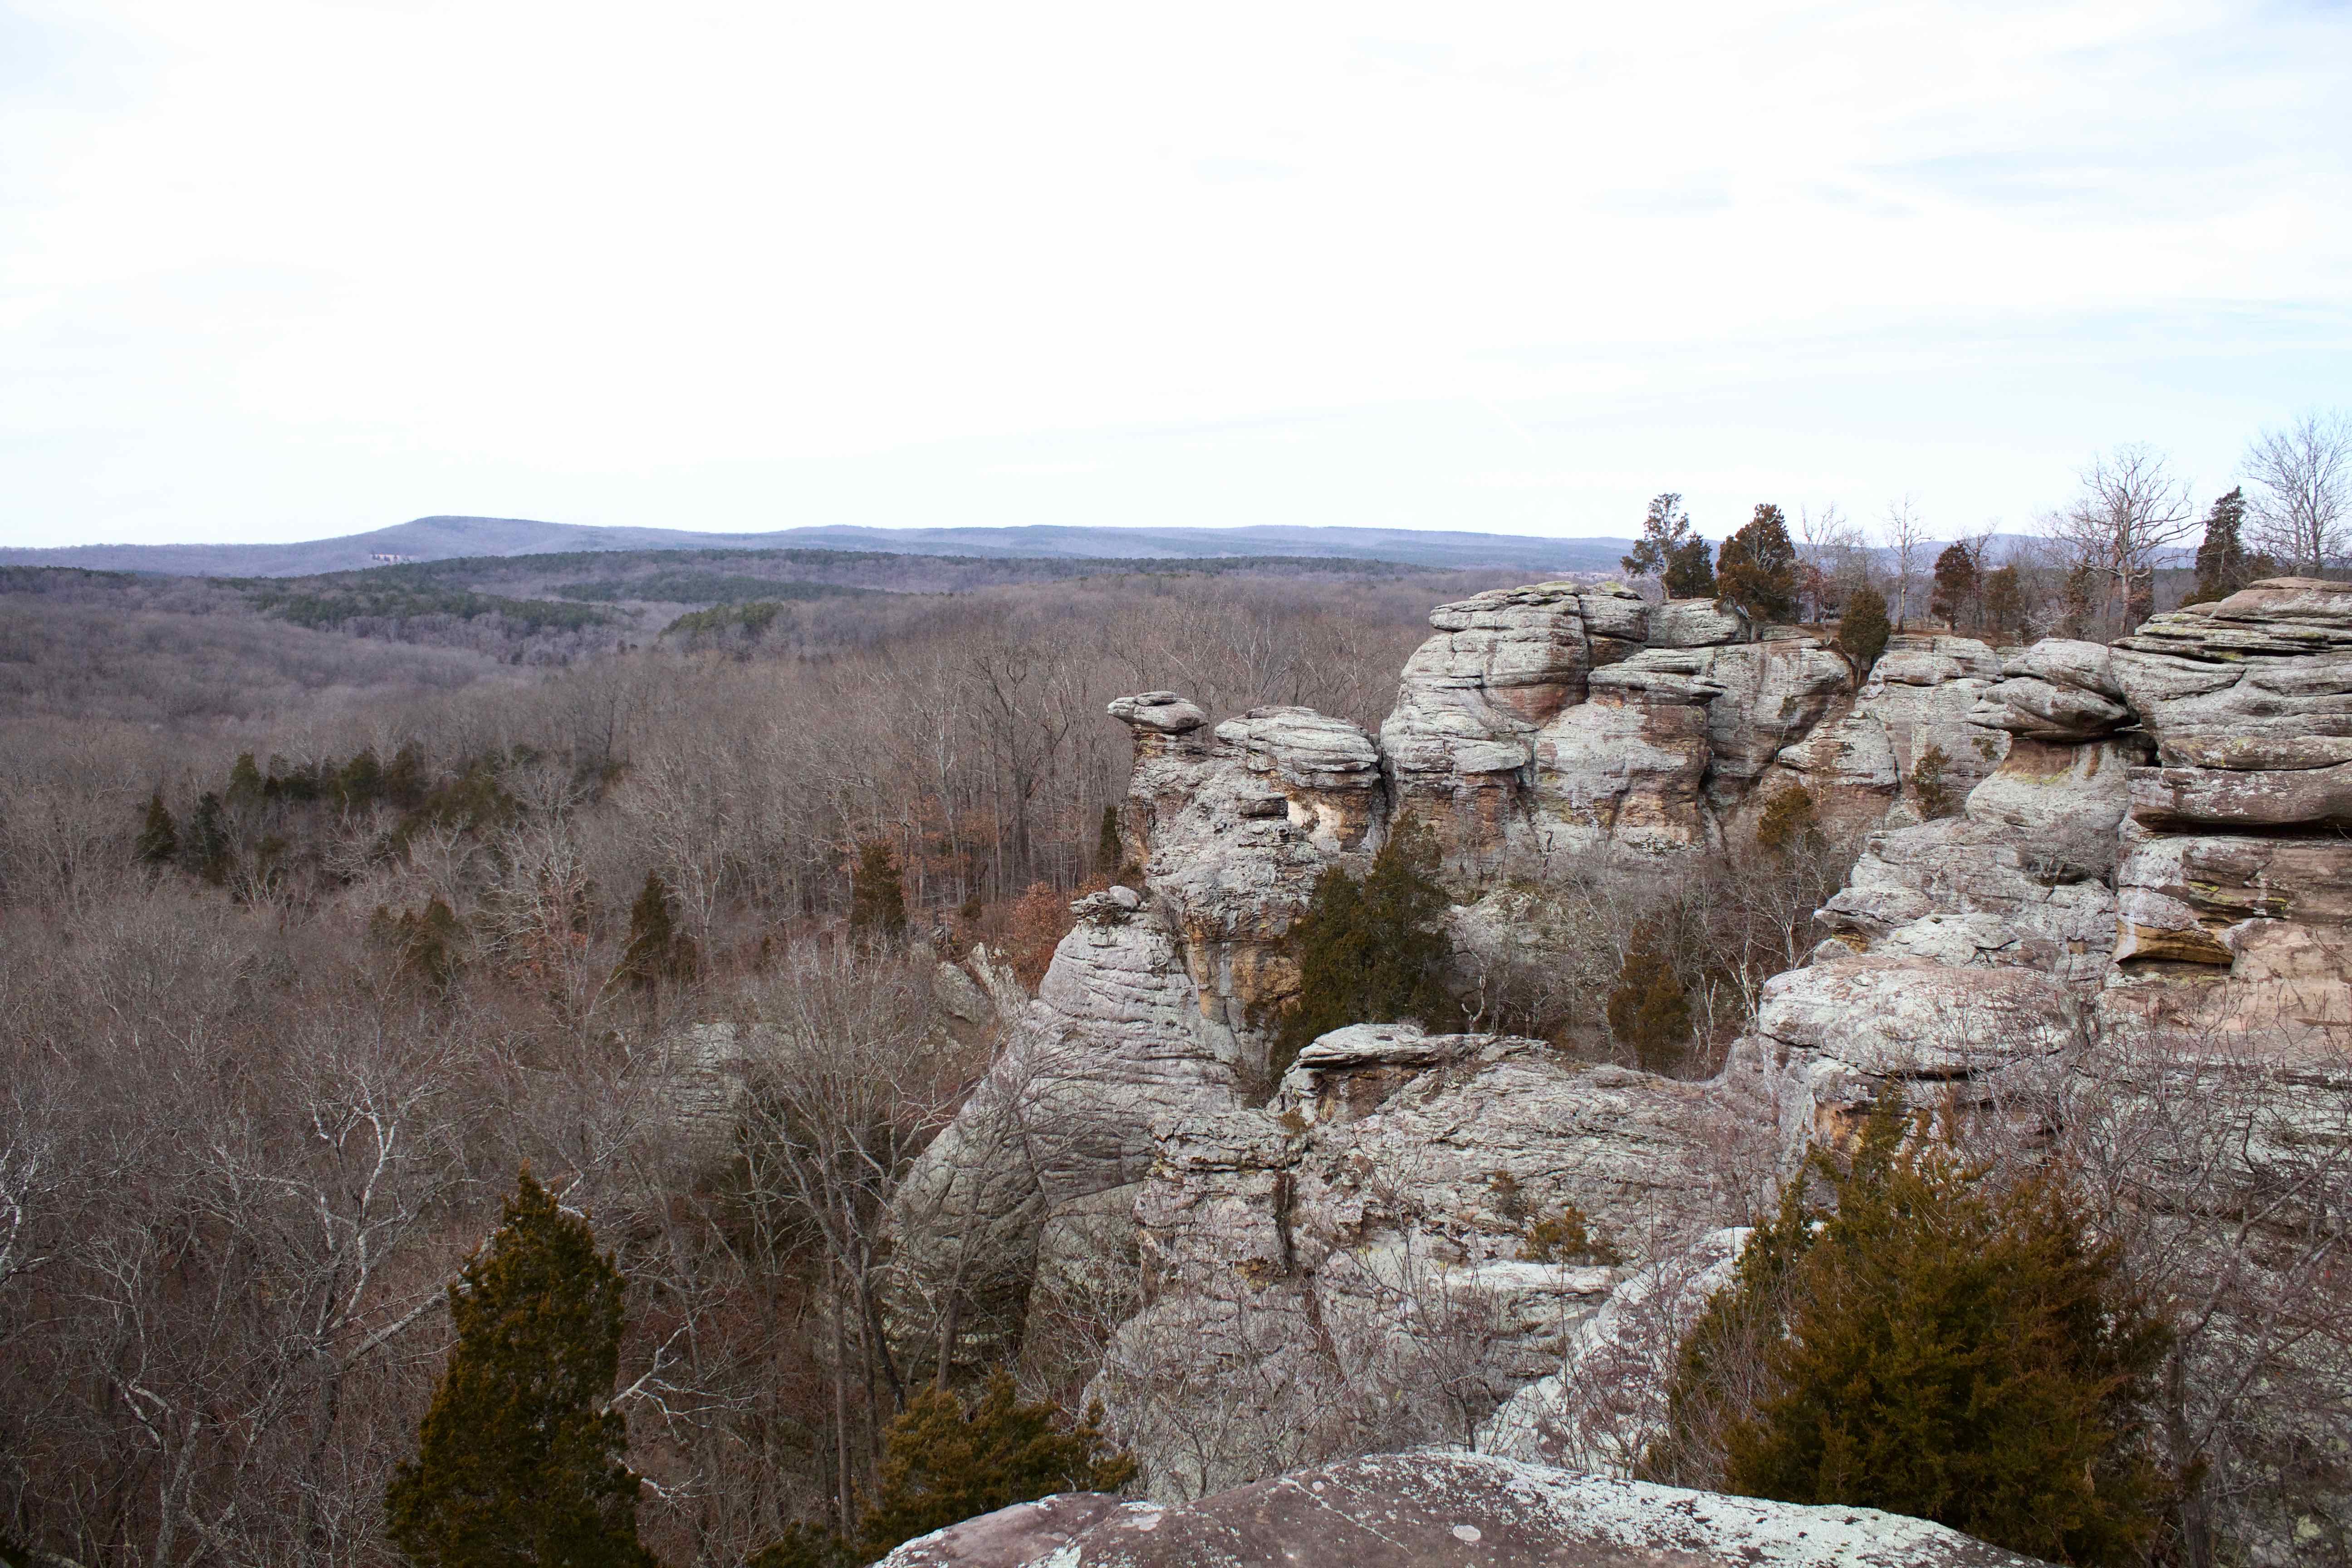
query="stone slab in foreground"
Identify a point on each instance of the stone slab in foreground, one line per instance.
(1407, 1510)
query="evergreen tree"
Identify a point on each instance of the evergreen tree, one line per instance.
(1666, 530)
(404, 784)
(205, 848)
(1940, 1345)
(2080, 596)
(2003, 604)
(1649, 1011)
(2223, 566)
(657, 950)
(1955, 585)
(519, 1462)
(1756, 571)
(362, 779)
(426, 941)
(1374, 951)
(1110, 853)
(804, 1546)
(877, 898)
(1862, 629)
(943, 1463)
(159, 837)
(1688, 573)
(245, 778)
(1788, 822)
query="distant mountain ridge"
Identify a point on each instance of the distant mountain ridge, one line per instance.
(444, 538)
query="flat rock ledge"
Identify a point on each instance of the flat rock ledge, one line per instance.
(1413, 1511)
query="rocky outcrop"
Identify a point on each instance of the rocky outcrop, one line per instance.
(1409, 1510)
(1399, 1206)
(1556, 719)
(2147, 834)
(1502, 664)
(2023, 870)
(1600, 1408)
(1918, 700)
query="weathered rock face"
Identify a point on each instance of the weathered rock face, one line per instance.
(1356, 1265)
(1409, 1511)
(2026, 861)
(1232, 828)
(1364, 1230)
(1918, 696)
(1502, 664)
(1599, 1411)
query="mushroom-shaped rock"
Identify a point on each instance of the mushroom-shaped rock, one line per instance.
(1158, 712)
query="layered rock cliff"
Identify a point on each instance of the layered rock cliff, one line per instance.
(2152, 838)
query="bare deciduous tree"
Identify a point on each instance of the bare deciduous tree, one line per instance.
(2302, 479)
(2131, 511)
(1906, 537)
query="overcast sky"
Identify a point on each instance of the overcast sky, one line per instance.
(283, 270)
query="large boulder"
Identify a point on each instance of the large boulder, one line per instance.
(1412, 1511)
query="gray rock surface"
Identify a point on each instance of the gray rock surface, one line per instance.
(1391, 1192)
(1414, 1510)
(1340, 1267)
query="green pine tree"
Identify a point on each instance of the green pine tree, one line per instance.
(427, 940)
(1649, 1011)
(1756, 571)
(519, 1462)
(158, 837)
(657, 952)
(877, 898)
(245, 781)
(2001, 604)
(1934, 1343)
(1862, 629)
(943, 1463)
(1374, 951)
(804, 1545)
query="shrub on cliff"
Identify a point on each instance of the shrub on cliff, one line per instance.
(1374, 951)
(1862, 629)
(1933, 1343)
(943, 1463)
(519, 1461)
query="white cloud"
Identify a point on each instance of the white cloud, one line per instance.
(268, 270)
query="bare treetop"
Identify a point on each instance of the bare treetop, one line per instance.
(2130, 509)
(2302, 479)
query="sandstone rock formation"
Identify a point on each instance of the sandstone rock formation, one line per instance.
(2151, 835)
(1383, 1213)
(1409, 1511)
